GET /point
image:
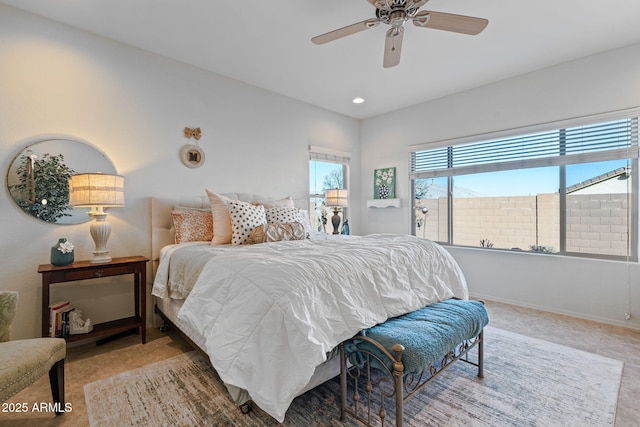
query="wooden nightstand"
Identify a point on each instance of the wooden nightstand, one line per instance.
(82, 270)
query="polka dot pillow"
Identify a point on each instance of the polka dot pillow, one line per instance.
(244, 218)
(281, 215)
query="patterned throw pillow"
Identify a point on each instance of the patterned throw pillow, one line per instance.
(280, 215)
(192, 225)
(244, 218)
(277, 232)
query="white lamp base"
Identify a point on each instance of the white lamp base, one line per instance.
(100, 230)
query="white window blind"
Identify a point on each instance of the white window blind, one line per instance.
(328, 155)
(610, 140)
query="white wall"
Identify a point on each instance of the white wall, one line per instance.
(600, 83)
(133, 106)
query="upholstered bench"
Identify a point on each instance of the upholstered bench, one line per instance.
(410, 350)
(22, 362)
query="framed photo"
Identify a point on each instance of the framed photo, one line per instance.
(384, 183)
(192, 156)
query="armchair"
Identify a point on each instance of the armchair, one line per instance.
(22, 362)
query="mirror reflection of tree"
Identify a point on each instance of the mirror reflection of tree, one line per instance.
(43, 191)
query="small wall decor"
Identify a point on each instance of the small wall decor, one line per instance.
(384, 183)
(194, 133)
(191, 155)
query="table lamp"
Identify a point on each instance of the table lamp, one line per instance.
(336, 198)
(97, 191)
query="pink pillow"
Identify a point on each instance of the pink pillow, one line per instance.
(221, 219)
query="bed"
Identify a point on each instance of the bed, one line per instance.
(271, 315)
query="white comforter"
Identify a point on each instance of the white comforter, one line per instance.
(271, 312)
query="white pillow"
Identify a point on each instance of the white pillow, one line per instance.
(244, 218)
(280, 215)
(287, 202)
(306, 221)
(221, 218)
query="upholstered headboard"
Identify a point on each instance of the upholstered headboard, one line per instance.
(161, 230)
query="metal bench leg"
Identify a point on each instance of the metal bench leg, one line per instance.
(398, 372)
(481, 355)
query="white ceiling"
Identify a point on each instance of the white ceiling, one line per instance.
(267, 43)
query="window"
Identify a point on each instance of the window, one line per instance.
(327, 170)
(571, 191)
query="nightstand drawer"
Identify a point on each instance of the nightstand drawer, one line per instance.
(99, 272)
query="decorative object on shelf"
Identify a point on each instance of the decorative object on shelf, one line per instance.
(345, 227)
(77, 325)
(62, 252)
(97, 191)
(336, 198)
(384, 183)
(191, 155)
(194, 133)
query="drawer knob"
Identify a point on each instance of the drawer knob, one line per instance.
(99, 273)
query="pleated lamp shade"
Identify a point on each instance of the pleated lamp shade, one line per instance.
(338, 197)
(96, 189)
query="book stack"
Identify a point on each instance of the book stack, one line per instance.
(59, 318)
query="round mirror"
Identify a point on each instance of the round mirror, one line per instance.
(37, 179)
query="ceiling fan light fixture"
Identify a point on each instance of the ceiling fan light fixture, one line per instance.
(397, 18)
(358, 100)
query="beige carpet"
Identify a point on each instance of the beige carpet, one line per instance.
(528, 382)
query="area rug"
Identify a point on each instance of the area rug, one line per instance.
(527, 382)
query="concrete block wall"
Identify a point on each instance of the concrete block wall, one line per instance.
(596, 223)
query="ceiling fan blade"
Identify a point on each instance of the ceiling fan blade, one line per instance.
(393, 47)
(345, 31)
(450, 22)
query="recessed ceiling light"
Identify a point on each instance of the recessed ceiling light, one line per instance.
(358, 100)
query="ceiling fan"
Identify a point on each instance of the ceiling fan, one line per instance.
(395, 13)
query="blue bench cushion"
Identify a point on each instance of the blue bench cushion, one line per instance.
(427, 334)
